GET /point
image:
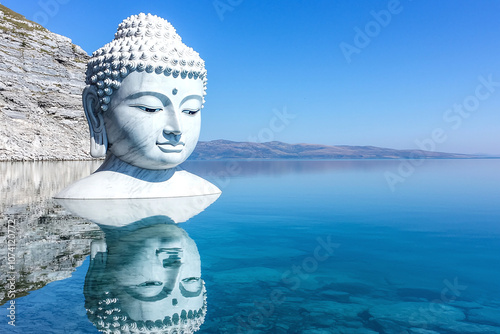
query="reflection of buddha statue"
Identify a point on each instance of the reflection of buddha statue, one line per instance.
(145, 276)
(146, 280)
(143, 100)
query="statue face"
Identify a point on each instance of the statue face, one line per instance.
(153, 120)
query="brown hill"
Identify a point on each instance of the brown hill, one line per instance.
(225, 149)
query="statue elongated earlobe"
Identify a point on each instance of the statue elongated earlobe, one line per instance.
(98, 137)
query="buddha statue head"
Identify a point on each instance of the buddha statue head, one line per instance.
(144, 94)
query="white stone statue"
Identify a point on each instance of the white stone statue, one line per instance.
(143, 100)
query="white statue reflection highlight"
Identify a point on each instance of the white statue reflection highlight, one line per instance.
(145, 276)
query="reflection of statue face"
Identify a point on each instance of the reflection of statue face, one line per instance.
(152, 274)
(148, 269)
(154, 120)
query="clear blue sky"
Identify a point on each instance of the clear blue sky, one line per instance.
(261, 56)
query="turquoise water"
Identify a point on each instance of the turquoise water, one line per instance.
(304, 247)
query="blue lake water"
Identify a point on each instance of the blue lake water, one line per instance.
(289, 247)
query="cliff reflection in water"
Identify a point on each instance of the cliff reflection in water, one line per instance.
(145, 275)
(49, 243)
(24, 183)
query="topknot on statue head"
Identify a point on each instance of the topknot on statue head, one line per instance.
(147, 43)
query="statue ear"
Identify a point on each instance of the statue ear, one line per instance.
(98, 246)
(98, 137)
(97, 267)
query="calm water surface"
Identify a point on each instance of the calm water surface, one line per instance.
(289, 247)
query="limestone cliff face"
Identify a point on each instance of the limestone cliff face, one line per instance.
(41, 81)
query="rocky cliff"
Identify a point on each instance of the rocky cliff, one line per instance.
(41, 80)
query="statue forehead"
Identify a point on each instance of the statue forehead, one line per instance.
(174, 88)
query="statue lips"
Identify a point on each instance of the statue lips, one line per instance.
(169, 147)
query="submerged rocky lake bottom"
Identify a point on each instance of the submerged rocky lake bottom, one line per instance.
(289, 247)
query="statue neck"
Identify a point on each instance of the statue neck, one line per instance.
(114, 164)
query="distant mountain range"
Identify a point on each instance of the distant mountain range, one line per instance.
(226, 149)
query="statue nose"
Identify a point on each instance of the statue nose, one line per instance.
(173, 125)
